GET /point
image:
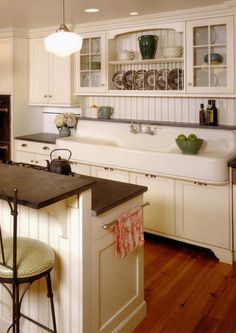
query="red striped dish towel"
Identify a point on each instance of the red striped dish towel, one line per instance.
(129, 232)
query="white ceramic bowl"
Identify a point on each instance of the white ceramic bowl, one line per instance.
(125, 55)
(172, 52)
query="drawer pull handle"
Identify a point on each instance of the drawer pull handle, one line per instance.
(4, 147)
(201, 184)
(46, 148)
(75, 163)
(2, 109)
(24, 145)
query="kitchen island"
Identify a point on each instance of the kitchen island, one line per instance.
(94, 290)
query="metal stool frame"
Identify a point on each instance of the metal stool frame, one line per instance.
(16, 282)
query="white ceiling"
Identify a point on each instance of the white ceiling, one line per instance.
(45, 13)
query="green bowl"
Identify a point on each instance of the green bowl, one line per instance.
(189, 147)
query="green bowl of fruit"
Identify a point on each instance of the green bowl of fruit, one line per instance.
(189, 145)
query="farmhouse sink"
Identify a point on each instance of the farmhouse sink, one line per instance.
(114, 145)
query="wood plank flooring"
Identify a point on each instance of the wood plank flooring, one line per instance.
(187, 290)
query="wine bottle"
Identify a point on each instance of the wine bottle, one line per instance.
(215, 112)
(202, 115)
(209, 114)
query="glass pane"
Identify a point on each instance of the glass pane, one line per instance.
(201, 35)
(84, 79)
(201, 78)
(85, 46)
(220, 33)
(95, 45)
(95, 79)
(84, 62)
(220, 75)
(199, 54)
(95, 62)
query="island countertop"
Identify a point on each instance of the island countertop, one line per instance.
(39, 188)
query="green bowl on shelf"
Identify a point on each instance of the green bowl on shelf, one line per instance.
(189, 147)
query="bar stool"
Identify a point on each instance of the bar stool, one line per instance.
(23, 261)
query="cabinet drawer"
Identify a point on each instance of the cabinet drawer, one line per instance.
(35, 147)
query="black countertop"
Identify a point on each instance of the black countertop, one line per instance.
(39, 188)
(39, 137)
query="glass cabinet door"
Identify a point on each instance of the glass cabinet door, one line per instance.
(90, 65)
(210, 56)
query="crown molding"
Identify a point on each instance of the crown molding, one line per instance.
(13, 32)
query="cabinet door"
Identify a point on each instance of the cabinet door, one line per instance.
(6, 65)
(110, 173)
(39, 82)
(203, 213)
(24, 157)
(90, 64)
(115, 298)
(210, 55)
(159, 216)
(82, 169)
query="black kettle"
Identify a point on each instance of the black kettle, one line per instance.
(59, 165)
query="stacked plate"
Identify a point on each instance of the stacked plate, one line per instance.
(153, 79)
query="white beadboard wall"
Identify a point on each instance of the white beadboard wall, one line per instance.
(174, 109)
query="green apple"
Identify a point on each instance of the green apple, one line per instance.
(192, 137)
(181, 137)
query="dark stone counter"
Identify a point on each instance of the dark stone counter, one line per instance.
(39, 188)
(39, 137)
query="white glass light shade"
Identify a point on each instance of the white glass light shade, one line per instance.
(63, 43)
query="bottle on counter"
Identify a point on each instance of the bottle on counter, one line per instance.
(202, 115)
(209, 114)
(215, 115)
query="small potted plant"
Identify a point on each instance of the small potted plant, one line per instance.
(64, 122)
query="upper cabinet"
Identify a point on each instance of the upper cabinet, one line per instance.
(90, 64)
(51, 77)
(210, 55)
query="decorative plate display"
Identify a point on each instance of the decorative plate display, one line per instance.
(161, 79)
(175, 79)
(150, 79)
(117, 79)
(138, 79)
(127, 79)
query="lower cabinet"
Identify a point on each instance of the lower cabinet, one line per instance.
(159, 216)
(203, 213)
(110, 173)
(80, 168)
(31, 158)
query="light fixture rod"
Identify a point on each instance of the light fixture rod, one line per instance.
(63, 12)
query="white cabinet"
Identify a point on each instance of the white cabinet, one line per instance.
(51, 80)
(117, 284)
(159, 216)
(90, 73)
(80, 168)
(32, 152)
(6, 65)
(203, 213)
(110, 173)
(212, 38)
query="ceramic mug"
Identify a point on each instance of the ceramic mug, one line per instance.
(105, 112)
(172, 52)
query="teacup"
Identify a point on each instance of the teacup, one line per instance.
(105, 112)
(172, 52)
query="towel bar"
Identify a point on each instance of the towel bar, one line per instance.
(108, 225)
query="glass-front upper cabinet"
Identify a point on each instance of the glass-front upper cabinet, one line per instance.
(90, 64)
(210, 55)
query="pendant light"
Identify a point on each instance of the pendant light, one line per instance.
(63, 42)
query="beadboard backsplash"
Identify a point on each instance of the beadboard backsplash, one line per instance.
(174, 109)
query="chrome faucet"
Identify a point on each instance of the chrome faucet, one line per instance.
(135, 128)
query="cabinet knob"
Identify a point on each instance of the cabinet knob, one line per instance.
(46, 148)
(36, 162)
(32, 161)
(50, 96)
(24, 145)
(45, 96)
(190, 84)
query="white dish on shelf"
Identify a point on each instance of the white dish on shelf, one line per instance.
(201, 36)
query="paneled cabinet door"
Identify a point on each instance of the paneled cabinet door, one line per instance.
(110, 173)
(117, 285)
(210, 55)
(159, 216)
(50, 76)
(203, 213)
(31, 158)
(82, 169)
(90, 64)
(6, 64)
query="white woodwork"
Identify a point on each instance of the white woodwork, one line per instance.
(6, 65)
(159, 216)
(110, 173)
(227, 78)
(88, 279)
(203, 214)
(80, 168)
(51, 81)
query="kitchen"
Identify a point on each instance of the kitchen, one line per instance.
(42, 85)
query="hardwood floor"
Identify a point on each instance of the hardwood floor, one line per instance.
(187, 290)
